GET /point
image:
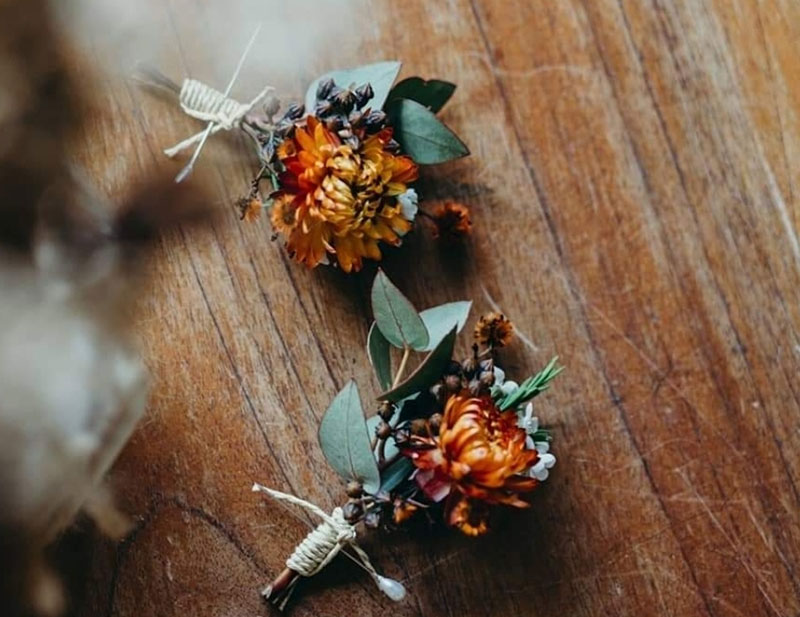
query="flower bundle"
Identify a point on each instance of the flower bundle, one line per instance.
(340, 166)
(449, 438)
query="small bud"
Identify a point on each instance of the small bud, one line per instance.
(469, 366)
(294, 111)
(375, 121)
(386, 411)
(355, 118)
(487, 379)
(334, 123)
(383, 431)
(352, 511)
(403, 511)
(354, 489)
(271, 106)
(344, 100)
(402, 436)
(323, 108)
(372, 519)
(435, 422)
(363, 94)
(419, 427)
(452, 383)
(324, 88)
(438, 392)
(393, 146)
(454, 368)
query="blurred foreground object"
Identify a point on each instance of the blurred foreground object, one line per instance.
(73, 386)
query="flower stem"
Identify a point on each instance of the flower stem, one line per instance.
(401, 369)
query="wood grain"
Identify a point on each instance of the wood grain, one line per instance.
(633, 184)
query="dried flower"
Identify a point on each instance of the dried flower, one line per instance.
(403, 511)
(494, 330)
(340, 200)
(479, 454)
(452, 221)
(250, 208)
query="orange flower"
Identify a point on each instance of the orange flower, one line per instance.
(494, 330)
(250, 208)
(344, 200)
(452, 221)
(479, 454)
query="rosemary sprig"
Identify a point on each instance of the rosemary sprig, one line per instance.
(532, 386)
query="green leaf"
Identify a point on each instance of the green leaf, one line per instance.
(396, 473)
(396, 317)
(531, 387)
(421, 135)
(345, 441)
(380, 76)
(433, 93)
(427, 372)
(439, 320)
(380, 356)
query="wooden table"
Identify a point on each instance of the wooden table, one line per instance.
(633, 186)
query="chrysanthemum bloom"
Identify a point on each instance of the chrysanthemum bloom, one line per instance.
(451, 220)
(479, 455)
(494, 330)
(341, 200)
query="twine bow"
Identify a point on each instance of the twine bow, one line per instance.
(324, 542)
(202, 102)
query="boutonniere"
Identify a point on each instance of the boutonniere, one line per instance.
(450, 439)
(337, 170)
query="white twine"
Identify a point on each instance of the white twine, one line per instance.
(201, 101)
(322, 544)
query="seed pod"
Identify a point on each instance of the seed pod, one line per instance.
(454, 368)
(375, 121)
(355, 118)
(469, 366)
(294, 111)
(487, 379)
(383, 431)
(351, 511)
(392, 146)
(363, 94)
(325, 88)
(271, 106)
(323, 108)
(438, 391)
(354, 489)
(402, 436)
(372, 519)
(419, 427)
(386, 411)
(344, 100)
(452, 383)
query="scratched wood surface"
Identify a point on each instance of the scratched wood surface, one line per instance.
(633, 185)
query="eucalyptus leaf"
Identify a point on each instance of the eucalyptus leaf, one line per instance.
(433, 93)
(427, 372)
(395, 316)
(395, 473)
(380, 356)
(380, 76)
(421, 135)
(439, 320)
(345, 441)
